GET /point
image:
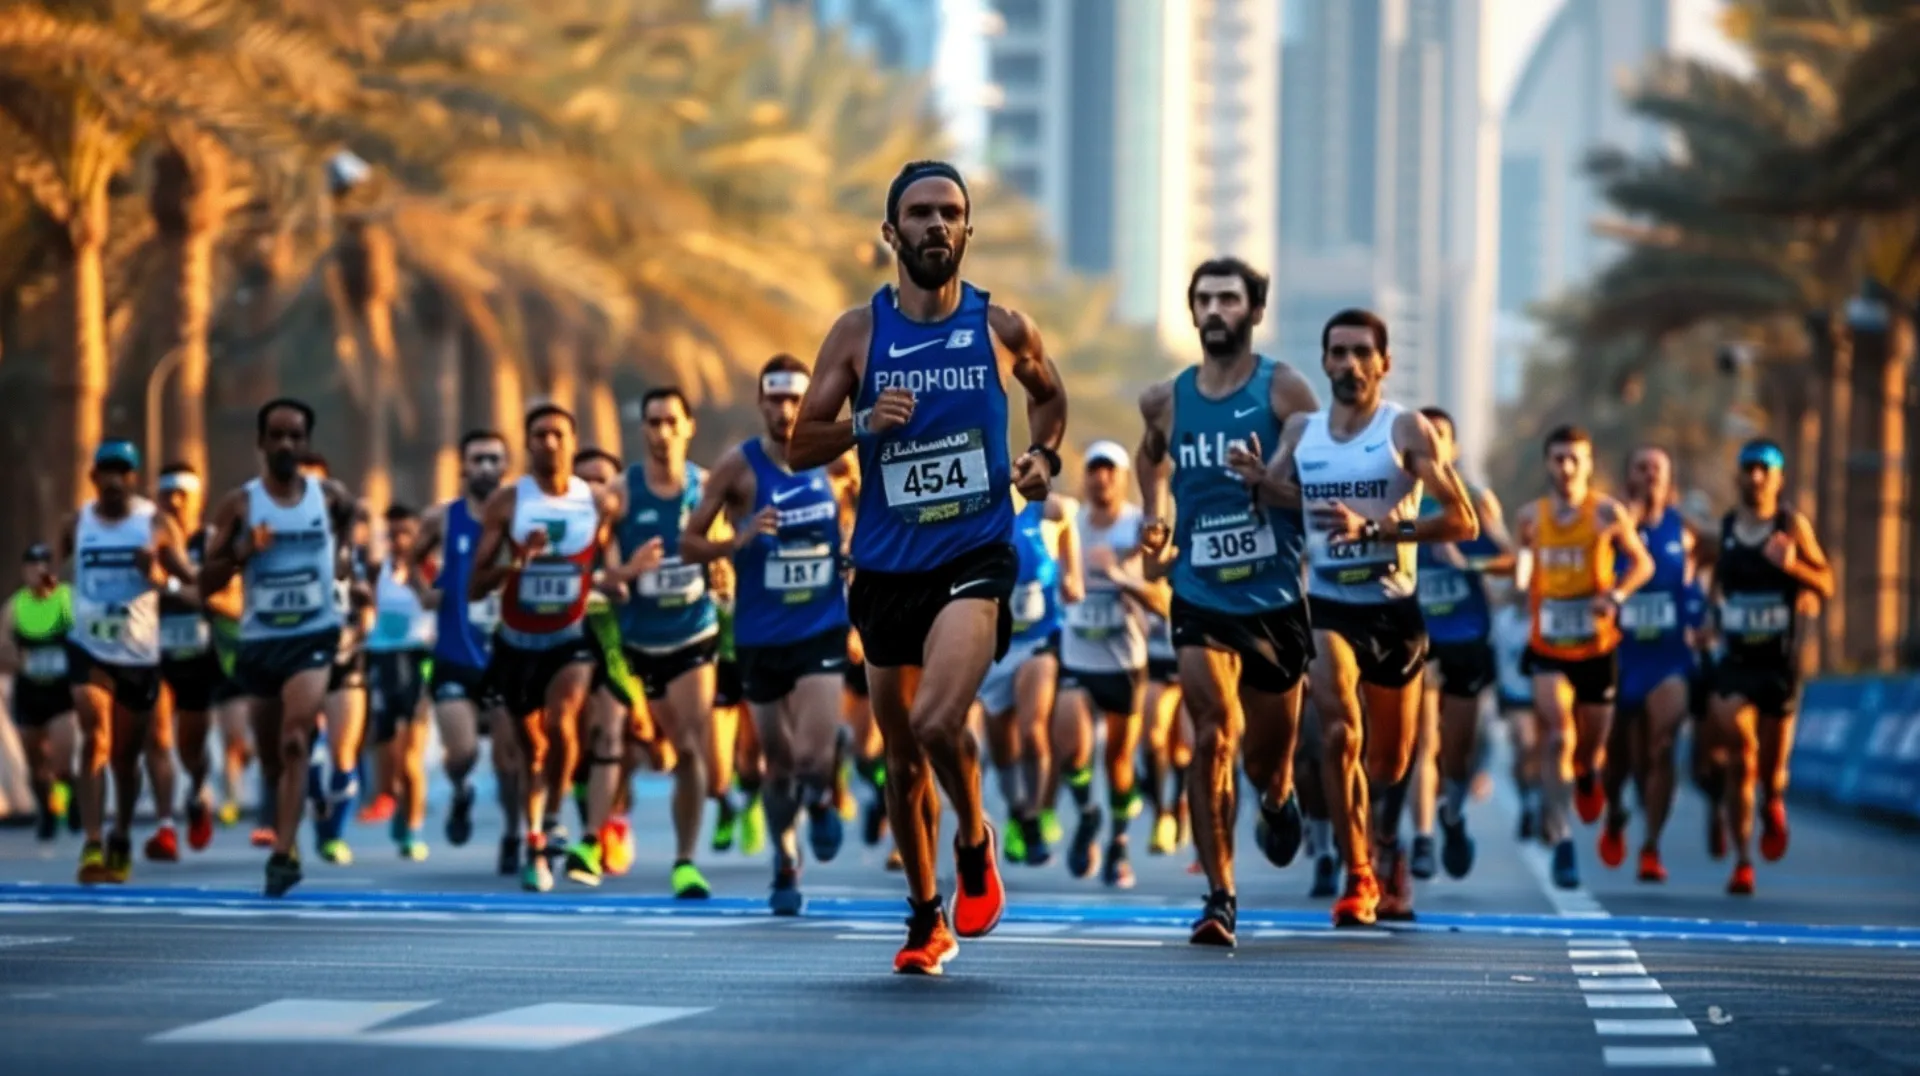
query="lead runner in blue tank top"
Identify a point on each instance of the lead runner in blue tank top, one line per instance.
(464, 629)
(789, 614)
(1656, 665)
(1239, 620)
(924, 368)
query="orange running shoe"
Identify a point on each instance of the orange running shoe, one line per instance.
(1589, 798)
(1651, 869)
(163, 846)
(1395, 903)
(1359, 906)
(929, 944)
(199, 825)
(262, 837)
(1773, 830)
(616, 845)
(378, 810)
(979, 898)
(1741, 884)
(1613, 842)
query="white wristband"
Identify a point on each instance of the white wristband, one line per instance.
(860, 420)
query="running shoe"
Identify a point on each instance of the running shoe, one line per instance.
(229, 813)
(1033, 834)
(1083, 857)
(825, 830)
(1613, 841)
(1396, 897)
(1528, 826)
(929, 943)
(1050, 826)
(283, 873)
(689, 883)
(413, 850)
(48, 827)
(1326, 877)
(1566, 866)
(1015, 841)
(873, 820)
(1423, 863)
(786, 899)
(1456, 846)
(583, 861)
(753, 828)
(536, 876)
(460, 817)
(1773, 830)
(616, 846)
(119, 858)
(1280, 830)
(163, 846)
(1217, 921)
(199, 825)
(725, 824)
(377, 810)
(509, 864)
(262, 837)
(1166, 835)
(336, 852)
(979, 898)
(93, 865)
(60, 801)
(1117, 872)
(1588, 797)
(1651, 869)
(1741, 884)
(1359, 906)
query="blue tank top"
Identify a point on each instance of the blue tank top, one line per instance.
(1235, 557)
(1454, 601)
(939, 486)
(670, 607)
(463, 631)
(1653, 621)
(789, 585)
(1036, 590)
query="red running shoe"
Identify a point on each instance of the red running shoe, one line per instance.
(1359, 906)
(1651, 869)
(163, 846)
(1773, 830)
(981, 899)
(199, 825)
(1589, 798)
(929, 944)
(1741, 884)
(1613, 842)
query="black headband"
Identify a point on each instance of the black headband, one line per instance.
(914, 174)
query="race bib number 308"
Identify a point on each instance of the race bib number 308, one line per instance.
(1231, 549)
(938, 478)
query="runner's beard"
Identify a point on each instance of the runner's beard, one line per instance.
(1236, 341)
(933, 275)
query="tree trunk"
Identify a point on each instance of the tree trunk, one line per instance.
(88, 227)
(189, 204)
(1889, 484)
(1835, 423)
(563, 369)
(447, 434)
(376, 483)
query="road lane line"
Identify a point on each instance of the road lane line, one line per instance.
(1609, 969)
(1658, 1057)
(1092, 943)
(1625, 987)
(1630, 1001)
(1676, 1028)
(1619, 984)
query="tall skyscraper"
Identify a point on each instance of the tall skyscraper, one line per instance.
(903, 34)
(1387, 152)
(1145, 132)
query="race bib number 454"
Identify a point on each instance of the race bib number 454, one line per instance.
(935, 479)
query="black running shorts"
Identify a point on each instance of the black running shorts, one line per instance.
(1596, 681)
(1121, 694)
(1389, 639)
(136, 687)
(768, 673)
(36, 703)
(521, 677)
(1274, 647)
(656, 671)
(264, 666)
(192, 681)
(1466, 669)
(394, 688)
(1774, 692)
(895, 611)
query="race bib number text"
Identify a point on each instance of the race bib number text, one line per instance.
(937, 479)
(1568, 621)
(1648, 616)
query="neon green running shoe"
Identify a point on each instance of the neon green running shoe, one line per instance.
(689, 883)
(337, 853)
(726, 825)
(1050, 827)
(1013, 841)
(753, 828)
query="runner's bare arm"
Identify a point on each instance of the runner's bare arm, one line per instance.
(171, 562)
(1046, 393)
(493, 554)
(729, 488)
(1493, 527)
(1616, 523)
(432, 521)
(1073, 585)
(1152, 463)
(820, 434)
(1291, 395)
(1809, 562)
(1420, 454)
(1523, 524)
(224, 555)
(9, 646)
(341, 509)
(844, 473)
(1280, 482)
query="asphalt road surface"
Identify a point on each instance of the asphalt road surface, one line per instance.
(390, 967)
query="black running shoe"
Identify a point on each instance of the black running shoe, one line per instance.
(509, 857)
(1038, 854)
(283, 873)
(1422, 865)
(1216, 923)
(1456, 846)
(1083, 858)
(1280, 830)
(1326, 877)
(460, 818)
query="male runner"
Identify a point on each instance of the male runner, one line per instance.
(1361, 465)
(281, 533)
(924, 366)
(346, 706)
(1239, 620)
(551, 527)
(463, 703)
(790, 615)
(1656, 665)
(190, 670)
(1453, 602)
(1769, 562)
(1168, 749)
(1512, 626)
(669, 623)
(33, 649)
(122, 550)
(397, 650)
(1574, 536)
(1103, 662)
(1017, 698)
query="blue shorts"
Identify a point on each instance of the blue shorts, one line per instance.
(1641, 673)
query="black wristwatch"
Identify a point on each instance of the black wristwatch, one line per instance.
(1404, 530)
(1052, 458)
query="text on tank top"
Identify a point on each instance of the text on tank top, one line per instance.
(1367, 473)
(940, 486)
(1106, 631)
(1571, 563)
(1654, 617)
(789, 584)
(1232, 555)
(288, 587)
(185, 633)
(116, 607)
(672, 605)
(1758, 609)
(1035, 604)
(543, 600)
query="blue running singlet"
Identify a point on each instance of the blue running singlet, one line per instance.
(789, 585)
(463, 630)
(671, 606)
(1036, 590)
(1453, 600)
(1654, 619)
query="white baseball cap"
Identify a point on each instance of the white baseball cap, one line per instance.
(1110, 453)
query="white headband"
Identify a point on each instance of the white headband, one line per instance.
(785, 383)
(181, 480)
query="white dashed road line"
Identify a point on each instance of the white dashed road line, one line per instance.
(1615, 983)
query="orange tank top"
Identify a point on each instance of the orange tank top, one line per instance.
(1572, 562)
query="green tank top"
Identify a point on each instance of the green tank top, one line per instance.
(42, 620)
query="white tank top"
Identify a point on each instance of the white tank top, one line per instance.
(288, 587)
(1511, 629)
(400, 622)
(551, 585)
(1105, 631)
(116, 607)
(1368, 475)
